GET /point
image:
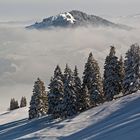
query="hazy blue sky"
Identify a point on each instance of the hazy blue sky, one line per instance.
(26, 9)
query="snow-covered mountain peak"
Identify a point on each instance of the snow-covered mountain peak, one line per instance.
(67, 16)
(62, 17)
(74, 18)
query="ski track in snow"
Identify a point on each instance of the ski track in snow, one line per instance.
(116, 120)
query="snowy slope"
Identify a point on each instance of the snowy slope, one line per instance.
(15, 115)
(116, 120)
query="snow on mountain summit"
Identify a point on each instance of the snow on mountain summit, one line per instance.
(67, 16)
(74, 18)
(60, 20)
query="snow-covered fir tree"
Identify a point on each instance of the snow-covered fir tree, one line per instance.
(56, 93)
(77, 79)
(92, 79)
(58, 73)
(23, 102)
(39, 100)
(85, 99)
(78, 88)
(70, 97)
(131, 81)
(121, 74)
(111, 75)
(13, 104)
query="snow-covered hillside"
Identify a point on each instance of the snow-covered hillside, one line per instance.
(116, 120)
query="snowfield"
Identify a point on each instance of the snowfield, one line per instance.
(116, 120)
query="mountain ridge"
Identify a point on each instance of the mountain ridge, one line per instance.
(74, 18)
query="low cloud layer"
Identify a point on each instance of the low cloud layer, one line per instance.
(28, 54)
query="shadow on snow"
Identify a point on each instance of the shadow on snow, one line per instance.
(116, 126)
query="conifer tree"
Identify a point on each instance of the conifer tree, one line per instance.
(131, 81)
(23, 102)
(13, 104)
(85, 99)
(58, 73)
(70, 98)
(77, 80)
(121, 73)
(111, 75)
(92, 79)
(16, 104)
(78, 88)
(39, 100)
(56, 93)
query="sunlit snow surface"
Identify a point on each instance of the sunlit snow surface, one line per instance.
(68, 17)
(116, 120)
